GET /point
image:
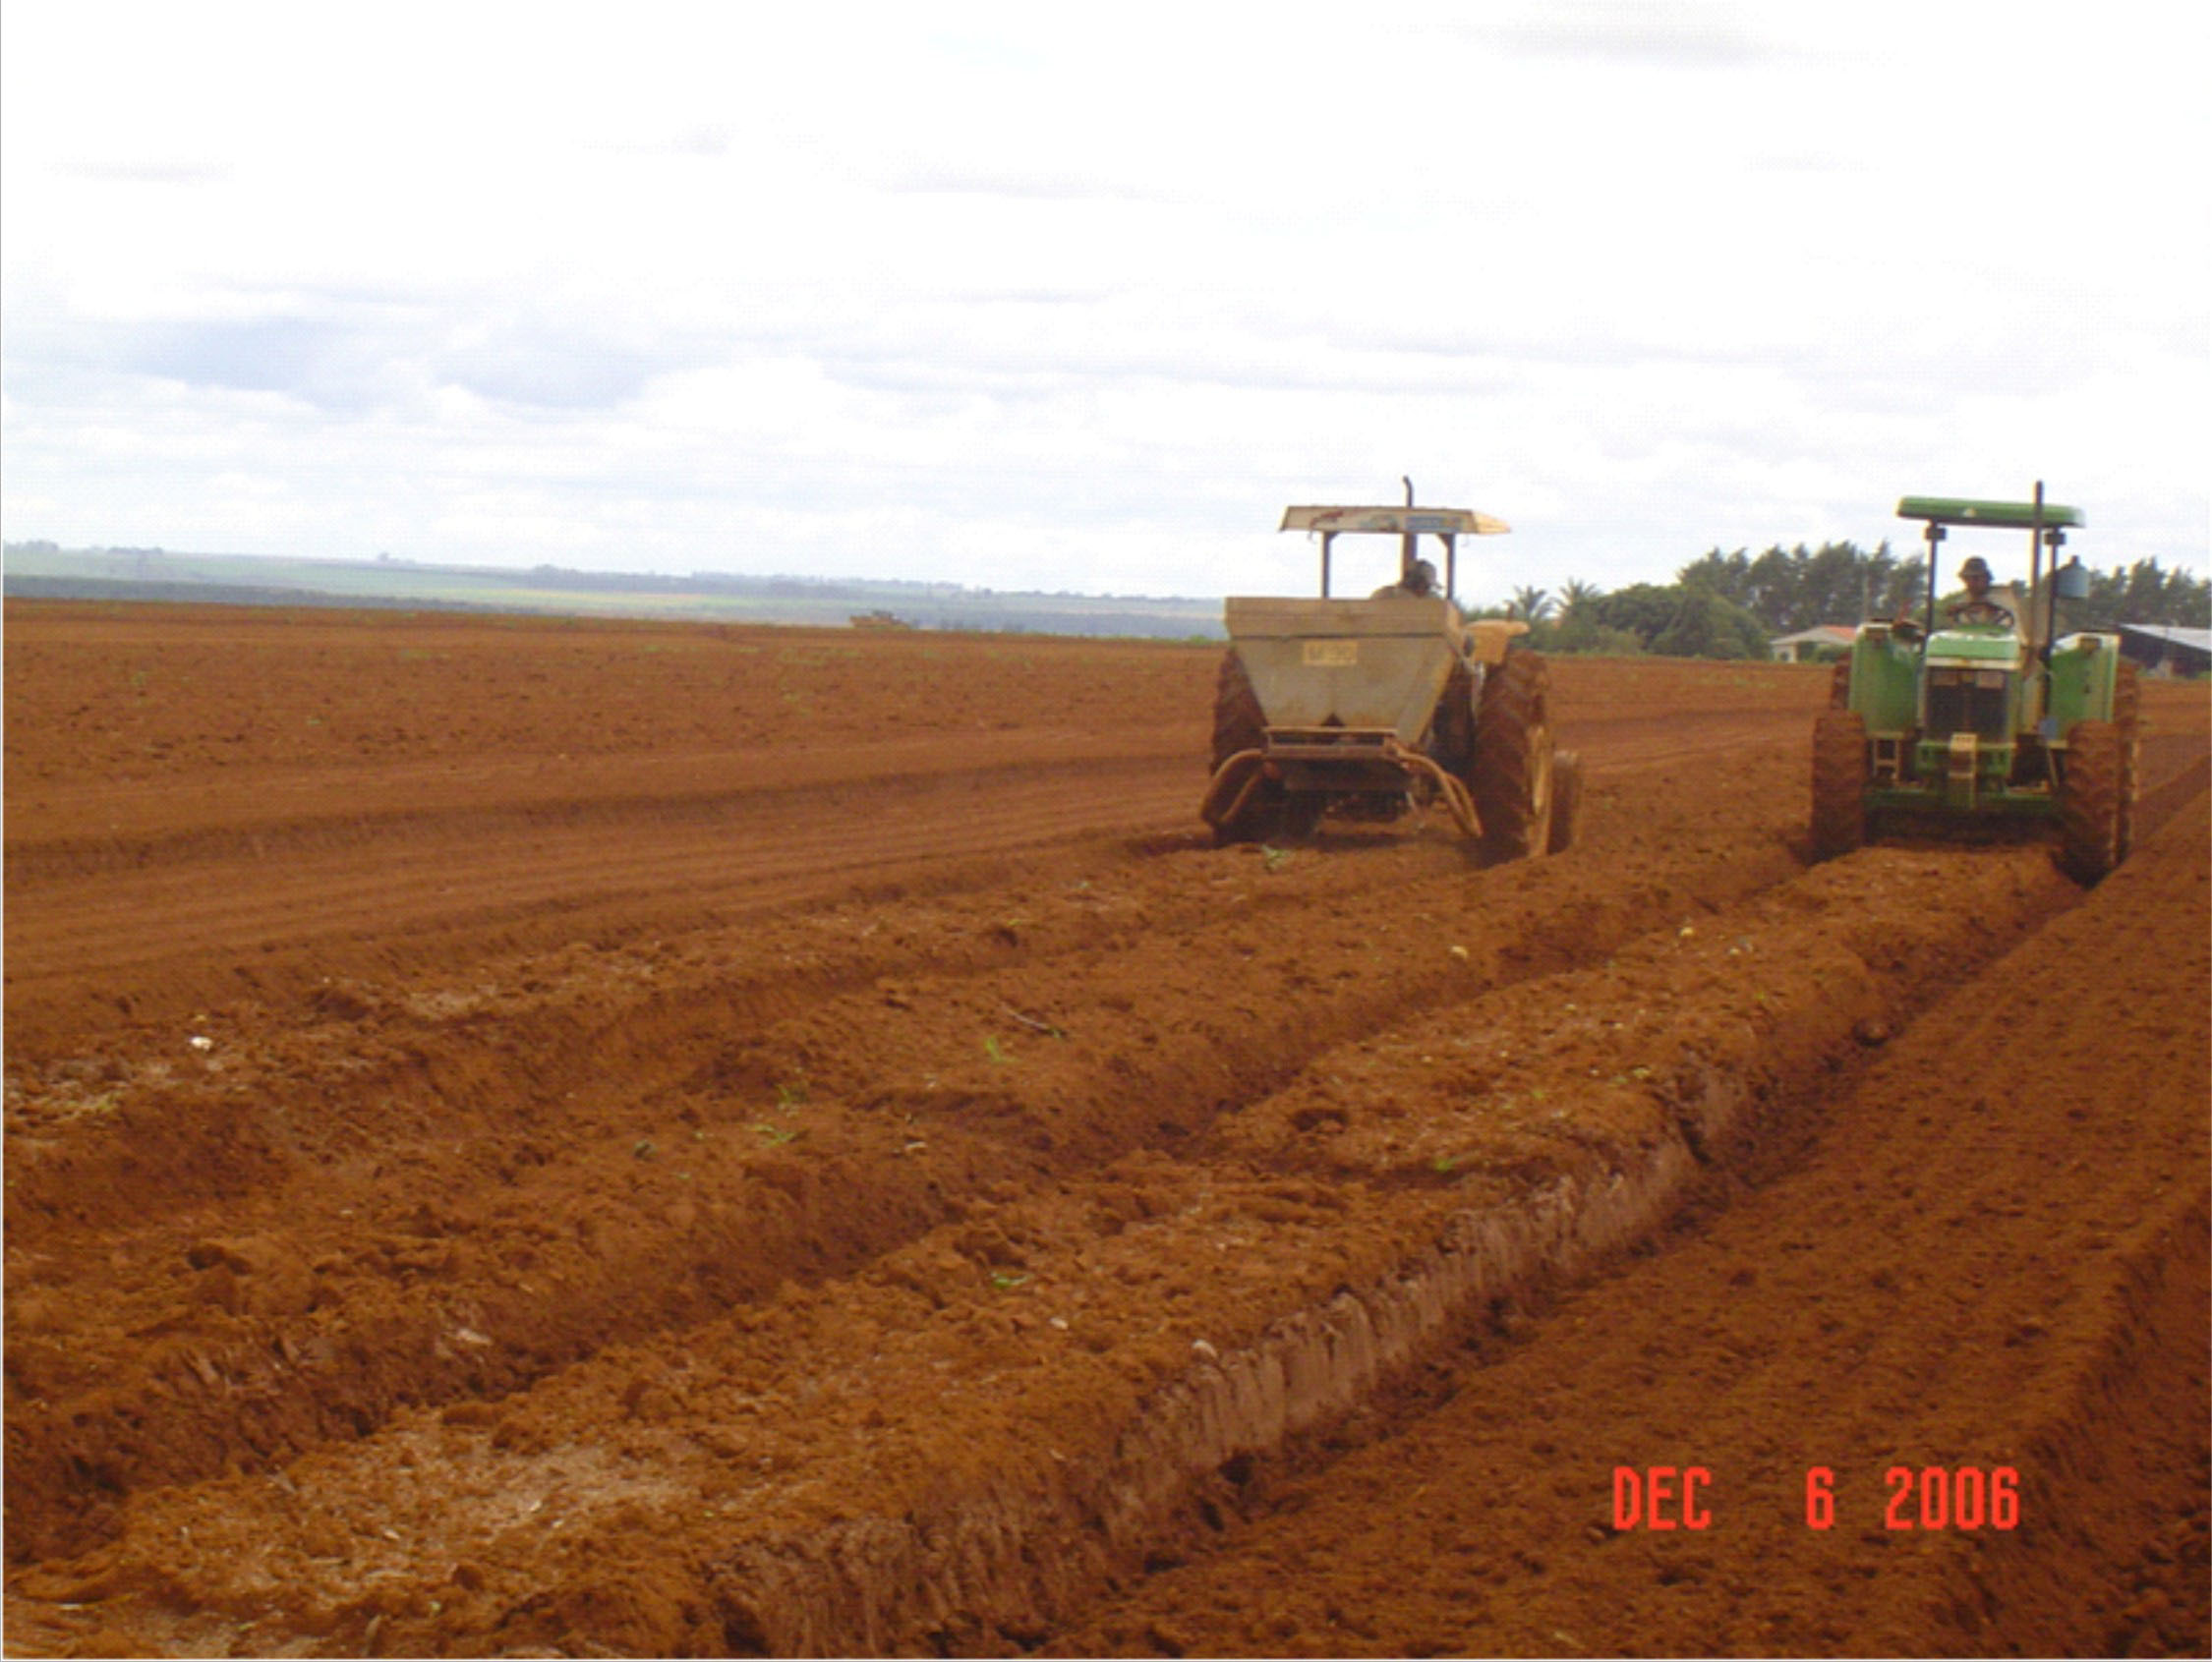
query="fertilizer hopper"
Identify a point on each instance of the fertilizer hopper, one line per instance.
(1366, 709)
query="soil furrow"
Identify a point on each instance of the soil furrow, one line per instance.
(908, 1095)
(1959, 1272)
(888, 1548)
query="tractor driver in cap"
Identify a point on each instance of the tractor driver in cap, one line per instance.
(1983, 602)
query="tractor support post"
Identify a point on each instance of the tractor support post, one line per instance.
(1936, 534)
(2056, 539)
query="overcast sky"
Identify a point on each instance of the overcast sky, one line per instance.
(1080, 297)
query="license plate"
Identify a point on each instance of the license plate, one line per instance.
(1331, 655)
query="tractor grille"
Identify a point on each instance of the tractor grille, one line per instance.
(1967, 701)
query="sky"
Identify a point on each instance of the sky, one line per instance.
(1080, 297)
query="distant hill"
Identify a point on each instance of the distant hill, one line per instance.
(45, 570)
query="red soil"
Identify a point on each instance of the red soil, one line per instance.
(586, 1137)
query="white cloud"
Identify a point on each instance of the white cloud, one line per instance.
(995, 297)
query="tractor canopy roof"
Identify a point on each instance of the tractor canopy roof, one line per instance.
(1442, 522)
(1965, 510)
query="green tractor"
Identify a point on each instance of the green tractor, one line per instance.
(1984, 715)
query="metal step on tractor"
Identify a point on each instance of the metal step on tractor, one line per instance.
(1978, 711)
(1367, 708)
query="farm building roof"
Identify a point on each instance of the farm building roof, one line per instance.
(1819, 634)
(2174, 635)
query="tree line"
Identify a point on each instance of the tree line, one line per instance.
(1732, 604)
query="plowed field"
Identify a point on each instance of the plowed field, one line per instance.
(582, 1139)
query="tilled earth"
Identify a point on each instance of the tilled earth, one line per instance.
(545, 1138)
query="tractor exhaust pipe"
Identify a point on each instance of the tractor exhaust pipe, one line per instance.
(1406, 554)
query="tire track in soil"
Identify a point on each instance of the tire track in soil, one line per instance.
(482, 879)
(990, 1539)
(285, 816)
(291, 1330)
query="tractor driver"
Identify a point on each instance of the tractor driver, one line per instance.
(1418, 584)
(1983, 602)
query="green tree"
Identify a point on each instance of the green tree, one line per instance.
(1530, 604)
(1640, 610)
(1726, 575)
(1704, 625)
(1680, 620)
(1792, 589)
(2143, 593)
(1574, 595)
(1903, 585)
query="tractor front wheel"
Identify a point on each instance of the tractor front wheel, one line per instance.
(1839, 783)
(2089, 809)
(1512, 773)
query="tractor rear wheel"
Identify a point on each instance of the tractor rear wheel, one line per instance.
(2127, 712)
(1511, 775)
(2090, 813)
(1839, 783)
(1451, 729)
(1239, 724)
(1566, 801)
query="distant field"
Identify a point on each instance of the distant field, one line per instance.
(41, 571)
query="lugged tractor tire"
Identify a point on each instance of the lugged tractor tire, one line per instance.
(2126, 715)
(1566, 801)
(2090, 817)
(1239, 724)
(1511, 775)
(1840, 685)
(1839, 783)
(1451, 730)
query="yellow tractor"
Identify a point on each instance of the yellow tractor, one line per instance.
(1366, 708)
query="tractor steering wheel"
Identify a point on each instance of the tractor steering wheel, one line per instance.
(1981, 611)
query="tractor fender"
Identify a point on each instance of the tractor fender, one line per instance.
(1491, 637)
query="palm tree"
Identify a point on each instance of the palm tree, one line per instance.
(1531, 603)
(1574, 595)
